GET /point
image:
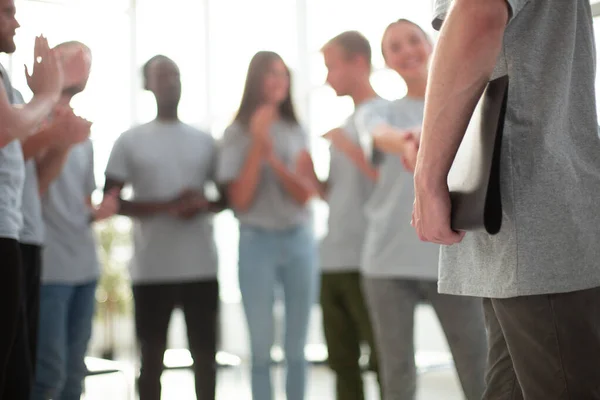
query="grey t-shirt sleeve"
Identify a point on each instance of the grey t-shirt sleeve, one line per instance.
(232, 153)
(214, 161)
(118, 162)
(366, 119)
(90, 181)
(441, 8)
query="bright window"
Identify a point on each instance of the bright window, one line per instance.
(106, 101)
(212, 41)
(239, 29)
(177, 30)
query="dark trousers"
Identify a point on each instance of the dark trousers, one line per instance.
(544, 347)
(346, 324)
(32, 265)
(154, 304)
(23, 357)
(12, 312)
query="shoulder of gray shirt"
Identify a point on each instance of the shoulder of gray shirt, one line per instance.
(442, 7)
(132, 133)
(237, 131)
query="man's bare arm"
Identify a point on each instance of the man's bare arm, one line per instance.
(222, 203)
(37, 143)
(467, 51)
(19, 123)
(352, 151)
(136, 209)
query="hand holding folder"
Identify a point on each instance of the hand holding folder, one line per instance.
(474, 179)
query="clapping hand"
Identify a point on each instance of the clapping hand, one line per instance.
(76, 67)
(260, 126)
(46, 77)
(66, 128)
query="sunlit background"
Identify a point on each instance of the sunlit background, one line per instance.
(212, 41)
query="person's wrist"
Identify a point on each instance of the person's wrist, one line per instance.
(428, 179)
(51, 96)
(429, 175)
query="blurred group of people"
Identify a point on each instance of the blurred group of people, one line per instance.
(535, 335)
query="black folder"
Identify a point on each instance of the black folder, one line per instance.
(474, 179)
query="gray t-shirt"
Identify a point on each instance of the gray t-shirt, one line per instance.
(348, 191)
(273, 207)
(69, 254)
(32, 231)
(550, 163)
(392, 248)
(160, 160)
(12, 177)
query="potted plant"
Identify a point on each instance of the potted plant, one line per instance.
(114, 297)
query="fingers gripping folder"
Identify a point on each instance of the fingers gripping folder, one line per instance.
(474, 179)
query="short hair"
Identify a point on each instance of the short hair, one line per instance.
(148, 64)
(353, 43)
(74, 43)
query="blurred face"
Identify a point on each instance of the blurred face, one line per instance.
(341, 70)
(164, 80)
(8, 26)
(407, 50)
(77, 63)
(276, 83)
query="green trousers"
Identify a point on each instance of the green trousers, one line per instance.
(347, 325)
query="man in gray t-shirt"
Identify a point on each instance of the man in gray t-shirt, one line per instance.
(346, 322)
(168, 165)
(17, 124)
(67, 295)
(540, 275)
(39, 153)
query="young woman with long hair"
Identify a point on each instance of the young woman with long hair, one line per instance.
(266, 166)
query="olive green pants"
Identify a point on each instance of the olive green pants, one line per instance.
(347, 325)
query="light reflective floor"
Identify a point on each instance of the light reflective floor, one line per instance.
(234, 385)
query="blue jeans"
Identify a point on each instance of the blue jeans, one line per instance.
(66, 313)
(268, 259)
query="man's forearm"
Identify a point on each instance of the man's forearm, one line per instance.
(217, 206)
(135, 209)
(467, 51)
(221, 204)
(36, 143)
(23, 122)
(357, 156)
(139, 209)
